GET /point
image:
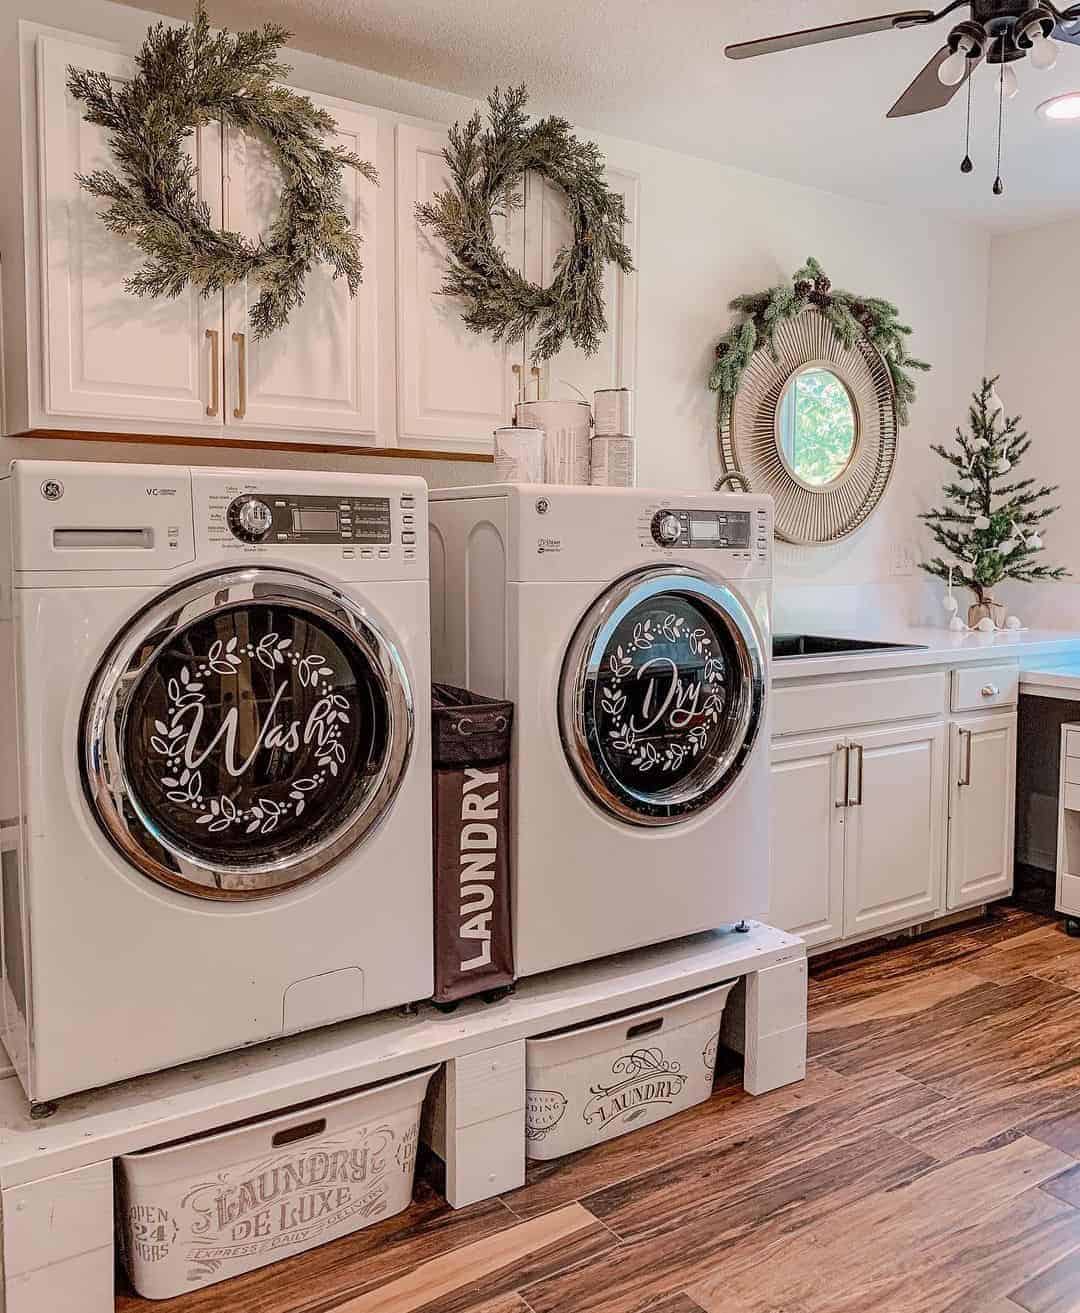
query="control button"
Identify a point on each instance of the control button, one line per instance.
(407, 537)
(408, 519)
(250, 519)
(410, 555)
(348, 553)
(367, 553)
(384, 553)
(666, 528)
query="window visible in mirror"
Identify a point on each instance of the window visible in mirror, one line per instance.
(816, 426)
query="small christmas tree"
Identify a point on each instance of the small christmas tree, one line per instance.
(990, 524)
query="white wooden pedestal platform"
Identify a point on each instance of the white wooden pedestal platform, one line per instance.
(56, 1176)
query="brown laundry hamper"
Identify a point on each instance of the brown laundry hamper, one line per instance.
(470, 737)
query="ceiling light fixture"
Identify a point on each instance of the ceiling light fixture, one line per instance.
(1061, 109)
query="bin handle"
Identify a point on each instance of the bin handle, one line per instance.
(302, 1132)
(645, 1028)
(466, 725)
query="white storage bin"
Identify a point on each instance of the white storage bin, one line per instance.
(593, 1083)
(209, 1208)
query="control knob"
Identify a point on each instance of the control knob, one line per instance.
(250, 519)
(666, 529)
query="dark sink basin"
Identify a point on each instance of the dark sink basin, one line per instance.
(786, 646)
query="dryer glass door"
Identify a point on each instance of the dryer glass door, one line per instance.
(662, 695)
(244, 732)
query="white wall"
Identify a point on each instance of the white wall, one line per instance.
(707, 233)
(1034, 328)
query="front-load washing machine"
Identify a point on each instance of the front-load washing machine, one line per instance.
(631, 628)
(224, 800)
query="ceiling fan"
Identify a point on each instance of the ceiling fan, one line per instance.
(997, 31)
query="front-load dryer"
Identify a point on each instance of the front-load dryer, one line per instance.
(631, 628)
(224, 799)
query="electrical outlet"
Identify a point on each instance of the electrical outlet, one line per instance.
(904, 559)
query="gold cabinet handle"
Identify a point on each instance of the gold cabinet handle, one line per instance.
(212, 336)
(964, 781)
(240, 409)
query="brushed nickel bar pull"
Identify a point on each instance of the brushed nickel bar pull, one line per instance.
(858, 800)
(240, 409)
(212, 336)
(845, 748)
(964, 781)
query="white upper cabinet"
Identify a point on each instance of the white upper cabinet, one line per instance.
(454, 386)
(105, 353)
(317, 374)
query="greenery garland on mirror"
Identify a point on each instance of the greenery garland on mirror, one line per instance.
(486, 170)
(189, 76)
(850, 315)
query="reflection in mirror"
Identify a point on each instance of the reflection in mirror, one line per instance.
(816, 426)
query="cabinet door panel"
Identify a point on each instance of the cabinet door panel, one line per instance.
(894, 840)
(108, 354)
(319, 372)
(982, 809)
(613, 364)
(808, 840)
(454, 387)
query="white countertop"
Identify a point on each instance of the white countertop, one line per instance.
(1052, 677)
(932, 647)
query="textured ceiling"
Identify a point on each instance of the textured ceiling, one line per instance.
(654, 71)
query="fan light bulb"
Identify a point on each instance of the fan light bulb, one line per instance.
(952, 69)
(1044, 52)
(1009, 84)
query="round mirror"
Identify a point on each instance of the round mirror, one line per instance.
(816, 426)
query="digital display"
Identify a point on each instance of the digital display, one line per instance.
(306, 520)
(704, 529)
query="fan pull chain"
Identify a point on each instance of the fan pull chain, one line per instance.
(999, 186)
(966, 165)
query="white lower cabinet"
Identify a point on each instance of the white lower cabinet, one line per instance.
(894, 822)
(982, 805)
(858, 830)
(808, 839)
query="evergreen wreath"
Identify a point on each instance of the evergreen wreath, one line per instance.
(189, 76)
(486, 167)
(991, 522)
(849, 315)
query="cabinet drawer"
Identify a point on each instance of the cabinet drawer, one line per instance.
(1072, 742)
(809, 708)
(985, 686)
(1072, 770)
(1071, 797)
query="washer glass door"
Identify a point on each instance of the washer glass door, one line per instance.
(662, 695)
(244, 732)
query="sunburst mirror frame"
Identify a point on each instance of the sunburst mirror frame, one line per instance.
(805, 514)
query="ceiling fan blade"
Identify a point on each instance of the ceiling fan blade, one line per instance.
(927, 91)
(813, 36)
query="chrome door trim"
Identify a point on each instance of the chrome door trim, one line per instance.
(116, 807)
(580, 671)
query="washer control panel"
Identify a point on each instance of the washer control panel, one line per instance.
(273, 518)
(678, 527)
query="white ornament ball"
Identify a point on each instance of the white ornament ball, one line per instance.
(956, 624)
(979, 444)
(986, 625)
(1035, 542)
(982, 522)
(1014, 622)
(1004, 465)
(1008, 547)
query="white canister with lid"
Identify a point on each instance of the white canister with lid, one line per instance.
(567, 428)
(519, 455)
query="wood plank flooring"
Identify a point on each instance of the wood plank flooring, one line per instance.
(929, 1163)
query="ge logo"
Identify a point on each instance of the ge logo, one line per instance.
(52, 489)
(542, 505)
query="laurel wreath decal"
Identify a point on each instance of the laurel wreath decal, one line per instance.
(705, 696)
(175, 738)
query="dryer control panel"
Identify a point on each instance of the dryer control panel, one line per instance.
(680, 527)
